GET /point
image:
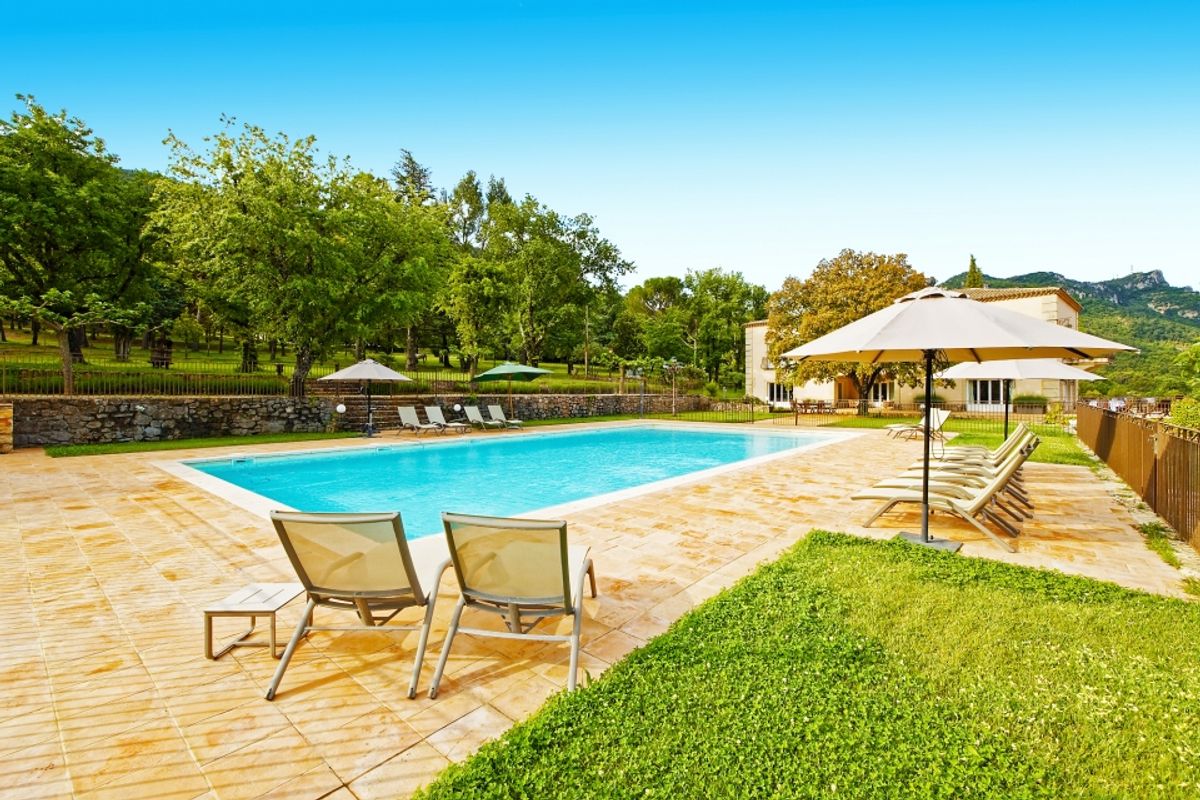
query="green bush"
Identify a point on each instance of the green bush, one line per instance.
(1185, 413)
(861, 669)
(1028, 400)
(937, 400)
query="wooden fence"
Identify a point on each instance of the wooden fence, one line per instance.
(1160, 462)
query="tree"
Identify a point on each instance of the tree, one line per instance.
(260, 219)
(721, 303)
(974, 277)
(839, 291)
(70, 247)
(475, 299)
(554, 265)
(467, 209)
(413, 184)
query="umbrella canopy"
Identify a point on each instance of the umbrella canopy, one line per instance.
(1048, 369)
(954, 326)
(508, 371)
(367, 370)
(934, 322)
(1023, 369)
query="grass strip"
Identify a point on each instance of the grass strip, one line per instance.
(862, 669)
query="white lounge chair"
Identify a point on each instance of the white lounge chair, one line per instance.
(523, 571)
(498, 414)
(359, 563)
(937, 418)
(475, 418)
(409, 421)
(435, 416)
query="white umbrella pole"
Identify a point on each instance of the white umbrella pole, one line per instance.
(370, 426)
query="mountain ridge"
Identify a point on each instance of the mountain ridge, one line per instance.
(1141, 309)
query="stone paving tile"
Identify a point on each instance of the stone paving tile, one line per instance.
(104, 690)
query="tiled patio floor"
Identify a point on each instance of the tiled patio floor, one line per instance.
(107, 561)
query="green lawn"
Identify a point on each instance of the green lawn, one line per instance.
(860, 669)
(68, 450)
(1057, 447)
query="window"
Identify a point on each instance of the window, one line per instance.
(779, 393)
(987, 392)
(883, 392)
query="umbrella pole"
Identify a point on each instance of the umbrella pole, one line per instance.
(924, 538)
(511, 413)
(1007, 393)
(370, 427)
(928, 437)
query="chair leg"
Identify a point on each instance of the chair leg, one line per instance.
(883, 509)
(441, 665)
(301, 629)
(420, 657)
(574, 649)
(592, 575)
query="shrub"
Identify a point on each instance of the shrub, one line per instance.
(1185, 413)
(711, 389)
(1035, 400)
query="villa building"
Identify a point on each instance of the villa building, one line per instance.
(1049, 303)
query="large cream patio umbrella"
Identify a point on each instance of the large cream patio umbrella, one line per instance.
(941, 323)
(367, 370)
(1010, 370)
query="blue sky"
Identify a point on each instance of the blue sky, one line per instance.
(756, 137)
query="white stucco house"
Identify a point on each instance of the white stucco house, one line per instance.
(1049, 303)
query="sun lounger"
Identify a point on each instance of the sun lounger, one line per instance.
(435, 416)
(409, 421)
(498, 414)
(523, 571)
(475, 418)
(937, 418)
(359, 563)
(968, 503)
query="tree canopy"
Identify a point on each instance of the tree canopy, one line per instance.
(840, 290)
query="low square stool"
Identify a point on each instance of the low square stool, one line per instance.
(253, 601)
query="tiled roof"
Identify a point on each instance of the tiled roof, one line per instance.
(758, 323)
(985, 294)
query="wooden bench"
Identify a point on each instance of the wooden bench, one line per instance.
(253, 601)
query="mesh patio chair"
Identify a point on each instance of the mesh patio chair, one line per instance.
(475, 418)
(410, 421)
(521, 570)
(498, 415)
(360, 563)
(436, 417)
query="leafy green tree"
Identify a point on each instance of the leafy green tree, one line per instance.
(974, 276)
(475, 298)
(299, 242)
(554, 264)
(467, 210)
(721, 303)
(840, 290)
(70, 250)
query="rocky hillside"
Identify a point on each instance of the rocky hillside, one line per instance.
(1140, 309)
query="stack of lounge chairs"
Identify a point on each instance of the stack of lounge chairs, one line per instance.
(973, 483)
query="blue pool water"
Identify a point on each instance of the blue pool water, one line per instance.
(501, 474)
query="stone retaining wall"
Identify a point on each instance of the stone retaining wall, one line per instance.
(40, 421)
(102, 420)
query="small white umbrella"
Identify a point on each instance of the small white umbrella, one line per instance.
(367, 370)
(1010, 370)
(934, 322)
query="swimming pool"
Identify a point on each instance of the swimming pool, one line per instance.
(500, 474)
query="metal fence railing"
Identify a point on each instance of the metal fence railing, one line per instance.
(39, 374)
(963, 419)
(1160, 462)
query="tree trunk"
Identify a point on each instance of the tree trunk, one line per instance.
(76, 341)
(221, 340)
(410, 348)
(304, 362)
(249, 357)
(122, 343)
(68, 363)
(35, 328)
(273, 345)
(360, 349)
(3, 338)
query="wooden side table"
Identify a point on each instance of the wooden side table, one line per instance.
(254, 601)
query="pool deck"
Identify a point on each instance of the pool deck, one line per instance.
(105, 692)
